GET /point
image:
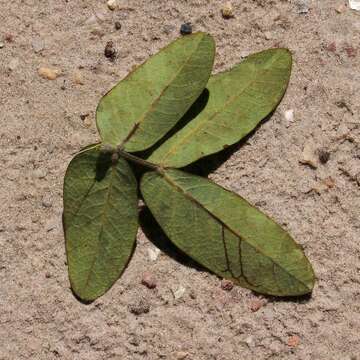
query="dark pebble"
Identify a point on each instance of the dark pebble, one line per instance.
(186, 29)
(117, 25)
(110, 51)
(227, 285)
(141, 307)
(324, 156)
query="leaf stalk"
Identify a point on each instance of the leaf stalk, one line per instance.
(138, 160)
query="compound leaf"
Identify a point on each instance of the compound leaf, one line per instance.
(100, 221)
(238, 100)
(144, 106)
(224, 233)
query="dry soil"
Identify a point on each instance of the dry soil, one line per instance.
(44, 122)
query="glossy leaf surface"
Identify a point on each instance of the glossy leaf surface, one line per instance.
(224, 233)
(238, 100)
(100, 221)
(144, 106)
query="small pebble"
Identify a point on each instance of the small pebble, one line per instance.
(293, 341)
(289, 115)
(48, 73)
(78, 78)
(13, 64)
(38, 45)
(50, 148)
(46, 201)
(192, 294)
(84, 116)
(324, 156)
(319, 187)
(340, 9)
(87, 122)
(256, 305)
(226, 285)
(329, 182)
(1, 45)
(303, 6)
(181, 355)
(110, 51)
(40, 173)
(134, 340)
(249, 341)
(112, 4)
(168, 28)
(117, 25)
(244, 54)
(350, 51)
(186, 29)
(179, 292)
(9, 38)
(308, 155)
(148, 280)
(303, 9)
(98, 32)
(354, 4)
(101, 16)
(227, 11)
(153, 253)
(331, 47)
(268, 35)
(141, 307)
(92, 20)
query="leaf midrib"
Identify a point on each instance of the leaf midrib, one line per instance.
(205, 120)
(191, 198)
(155, 102)
(103, 217)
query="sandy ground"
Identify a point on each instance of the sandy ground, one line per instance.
(44, 122)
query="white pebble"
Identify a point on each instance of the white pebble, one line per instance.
(289, 115)
(244, 54)
(1, 45)
(153, 253)
(179, 292)
(354, 4)
(249, 341)
(112, 4)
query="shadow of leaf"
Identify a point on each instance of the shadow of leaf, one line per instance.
(103, 164)
(210, 163)
(301, 299)
(195, 109)
(156, 235)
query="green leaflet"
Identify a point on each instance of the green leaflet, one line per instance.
(238, 100)
(224, 233)
(144, 106)
(100, 221)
